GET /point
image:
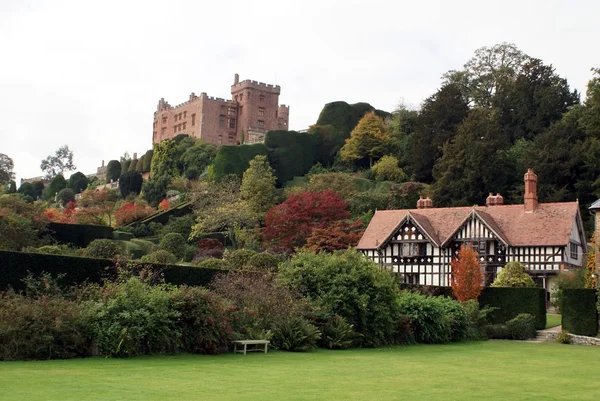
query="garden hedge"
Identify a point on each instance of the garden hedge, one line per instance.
(80, 235)
(235, 159)
(163, 216)
(291, 153)
(514, 301)
(14, 266)
(579, 313)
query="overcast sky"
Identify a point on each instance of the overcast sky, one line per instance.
(89, 73)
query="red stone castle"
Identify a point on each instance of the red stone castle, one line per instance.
(252, 111)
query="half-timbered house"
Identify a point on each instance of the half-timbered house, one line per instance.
(421, 243)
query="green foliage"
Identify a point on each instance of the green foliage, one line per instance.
(291, 153)
(145, 245)
(79, 235)
(130, 183)
(337, 333)
(113, 171)
(16, 231)
(155, 190)
(563, 337)
(239, 259)
(212, 263)
(57, 184)
(512, 301)
(329, 141)
(65, 196)
(295, 334)
(264, 261)
(387, 169)
(50, 250)
(196, 158)
(173, 243)
(160, 256)
(147, 161)
(348, 285)
(181, 225)
(342, 184)
(344, 117)
(567, 280)
(497, 332)
(513, 275)
(132, 166)
(61, 162)
(522, 327)
(78, 182)
(368, 140)
(434, 320)
(122, 235)
(234, 159)
(578, 311)
(27, 189)
(103, 249)
(6, 169)
(125, 164)
(164, 162)
(258, 185)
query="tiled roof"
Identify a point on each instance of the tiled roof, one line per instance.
(550, 223)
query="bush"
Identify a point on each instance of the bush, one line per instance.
(212, 263)
(173, 243)
(578, 311)
(291, 153)
(522, 327)
(147, 246)
(234, 159)
(239, 258)
(103, 249)
(41, 328)
(264, 261)
(130, 182)
(295, 334)
(513, 274)
(571, 279)
(337, 333)
(432, 321)
(133, 318)
(189, 252)
(50, 250)
(78, 182)
(497, 332)
(122, 236)
(65, 196)
(563, 337)
(113, 171)
(160, 256)
(351, 286)
(204, 320)
(182, 225)
(209, 248)
(509, 302)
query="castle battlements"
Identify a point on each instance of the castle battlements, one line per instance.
(255, 85)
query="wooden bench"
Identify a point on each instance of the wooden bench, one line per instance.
(245, 343)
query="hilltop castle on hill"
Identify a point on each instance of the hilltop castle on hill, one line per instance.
(252, 111)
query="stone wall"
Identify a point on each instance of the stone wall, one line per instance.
(575, 339)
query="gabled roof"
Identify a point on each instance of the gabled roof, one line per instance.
(595, 205)
(550, 223)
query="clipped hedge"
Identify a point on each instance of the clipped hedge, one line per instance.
(235, 159)
(122, 236)
(14, 266)
(163, 216)
(514, 301)
(80, 235)
(578, 311)
(291, 153)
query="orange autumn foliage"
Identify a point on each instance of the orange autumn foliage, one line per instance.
(467, 276)
(164, 205)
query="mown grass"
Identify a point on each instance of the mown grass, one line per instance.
(552, 320)
(492, 370)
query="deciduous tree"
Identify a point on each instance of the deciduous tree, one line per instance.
(335, 236)
(368, 140)
(387, 169)
(6, 169)
(61, 162)
(513, 275)
(467, 276)
(258, 185)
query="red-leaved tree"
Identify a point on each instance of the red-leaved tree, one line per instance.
(130, 212)
(335, 236)
(467, 276)
(290, 223)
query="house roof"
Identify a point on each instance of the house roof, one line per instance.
(595, 205)
(550, 223)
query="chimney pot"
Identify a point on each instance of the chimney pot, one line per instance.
(490, 200)
(499, 199)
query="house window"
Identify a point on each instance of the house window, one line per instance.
(221, 120)
(574, 250)
(409, 249)
(193, 119)
(232, 123)
(411, 278)
(261, 124)
(261, 111)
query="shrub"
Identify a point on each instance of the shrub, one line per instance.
(578, 311)
(41, 328)
(234, 160)
(337, 333)
(78, 182)
(264, 261)
(146, 245)
(189, 252)
(563, 337)
(295, 334)
(160, 256)
(130, 182)
(351, 286)
(211, 263)
(103, 249)
(130, 212)
(209, 248)
(387, 169)
(113, 171)
(173, 243)
(513, 275)
(567, 280)
(122, 235)
(430, 321)
(133, 318)
(291, 153)
(65, 196)
(204, 320)
(49, 250)
(509, 302)
(522, 327)
(80, 235)
(239, 258)
(497, 332)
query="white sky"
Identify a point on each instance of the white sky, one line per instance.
(89, 73)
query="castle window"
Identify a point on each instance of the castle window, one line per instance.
(231, 111)
(574, 250)
(220, 139)
(184, 114)
(164, 120)
(241, 97)
(184, 125)
(193, 119)
(262, 98)
(261, 124)
(232, 123)
(261, 111)
(163, 130)
(221, 120)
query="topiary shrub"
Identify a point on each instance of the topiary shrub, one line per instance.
(189, 252)
(513, 274)
(497, 332)
(214, 264)
(522, 327)
(146, 245)
(103, 249)
(578, 311)
(295, 334)
(50, 250)
(173, 243)
(160, 256)
(65, 196)
(239, 258)
(264, 261)
(509, 302)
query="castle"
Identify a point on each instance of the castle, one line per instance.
(252, 111)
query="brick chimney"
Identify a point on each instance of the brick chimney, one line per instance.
(499, 200)
(420, 203)
(531, 199)
(426, 203)
(490, 200)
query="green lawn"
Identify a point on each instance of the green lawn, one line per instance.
(492, 370)
(552, 320)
